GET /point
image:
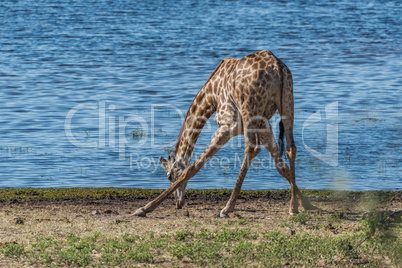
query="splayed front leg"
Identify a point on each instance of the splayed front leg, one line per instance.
(223, 214)
(222, 135)
(139, 212)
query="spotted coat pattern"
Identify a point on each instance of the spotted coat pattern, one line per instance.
(245, 93)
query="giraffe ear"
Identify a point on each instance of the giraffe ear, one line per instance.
(164, 162)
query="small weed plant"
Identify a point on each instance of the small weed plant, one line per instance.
(301, 218)
(13, 250)
(138, 133)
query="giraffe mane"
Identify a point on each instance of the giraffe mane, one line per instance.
(188, 112)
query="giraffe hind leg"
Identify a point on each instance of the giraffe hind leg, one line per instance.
(252, 148)
(269, 142)
(291, 152)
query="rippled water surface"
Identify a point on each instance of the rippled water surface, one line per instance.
(78, 77)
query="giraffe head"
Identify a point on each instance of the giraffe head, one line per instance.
(174, 169)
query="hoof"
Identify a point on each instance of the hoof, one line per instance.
(139, 213)
(179, 204)
(292, 213)
(310, 207)
(222, 215)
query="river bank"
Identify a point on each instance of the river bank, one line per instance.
(94, 227)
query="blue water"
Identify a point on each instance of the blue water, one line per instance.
(77, 77)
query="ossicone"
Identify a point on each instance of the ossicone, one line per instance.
(172, 157)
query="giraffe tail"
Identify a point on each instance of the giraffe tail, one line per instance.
(280, 140)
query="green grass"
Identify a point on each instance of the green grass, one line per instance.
(337, 216)
(371, 239)
(13, 250)
(220, 246)
(311, 239)
(110, 192)
(301, 218)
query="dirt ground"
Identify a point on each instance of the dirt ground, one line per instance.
(271, 208)
(21, 221)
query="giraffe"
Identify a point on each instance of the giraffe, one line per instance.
(245, 93)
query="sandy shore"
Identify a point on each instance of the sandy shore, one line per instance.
(340, 214)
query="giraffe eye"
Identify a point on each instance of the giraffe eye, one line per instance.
(176, 172)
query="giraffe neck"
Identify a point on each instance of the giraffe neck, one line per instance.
(201, 109)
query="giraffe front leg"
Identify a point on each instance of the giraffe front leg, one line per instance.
(139, 213)
(222, 135)
(250, 152)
